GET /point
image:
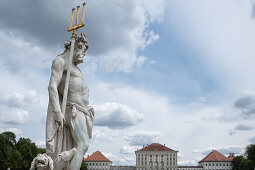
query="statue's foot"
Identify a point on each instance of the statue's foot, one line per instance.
(67, 155)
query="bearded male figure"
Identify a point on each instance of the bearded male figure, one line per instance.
(67, 137)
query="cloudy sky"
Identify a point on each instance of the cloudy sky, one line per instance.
(176, 72)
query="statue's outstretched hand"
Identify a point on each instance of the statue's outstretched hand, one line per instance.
(60, 119)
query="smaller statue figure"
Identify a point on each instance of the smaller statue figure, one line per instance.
(42, 162)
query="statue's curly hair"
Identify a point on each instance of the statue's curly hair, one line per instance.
(81, 38)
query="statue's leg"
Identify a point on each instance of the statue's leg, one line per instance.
(82, 139)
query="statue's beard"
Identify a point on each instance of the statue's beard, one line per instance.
(78, 59)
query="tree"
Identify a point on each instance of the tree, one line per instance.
(10, 137)
(41, 150)
(28, 150)
(16, 155)
(246, 164)
(9, 155)
(236, 161)
(250, 152)
(83, 166)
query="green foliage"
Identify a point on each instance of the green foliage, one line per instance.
(250, 152)
(246, 164)
(83, 166)
(41, 150)
(236, 161)
(9, 156)
(10, 138)
(28, 150)
(17, 155)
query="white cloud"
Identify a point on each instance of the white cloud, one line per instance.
(187, 163)
(225, 150)
(14, 130)
(252, 140)
(118, 160)
(40, 143)
(15, 116)
(143, 138)
(140, 61)
(121, 37)
(241, 127)
(246, 103)
(222, 36)
(20, 55)
(202, 99)
(100, 135)
(127, 150)
(116, 115)
(19, 99)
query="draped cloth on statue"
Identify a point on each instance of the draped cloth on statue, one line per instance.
(57, 142)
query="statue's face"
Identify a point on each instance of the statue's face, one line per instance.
(41, 161)
(79, 53)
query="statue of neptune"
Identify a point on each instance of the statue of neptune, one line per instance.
(67, 135)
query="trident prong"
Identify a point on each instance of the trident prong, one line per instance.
(76, 24)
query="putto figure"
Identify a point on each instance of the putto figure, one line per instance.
(68, 134)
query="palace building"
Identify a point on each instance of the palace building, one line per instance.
(97, 161)
(215, 161)
(156, 157)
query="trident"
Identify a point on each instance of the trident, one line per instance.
(76, 25)
(74, 29)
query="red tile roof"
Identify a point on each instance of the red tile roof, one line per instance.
(216, 156)
(156, 147)
(96, 157)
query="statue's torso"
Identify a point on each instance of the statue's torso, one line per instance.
(78, 91)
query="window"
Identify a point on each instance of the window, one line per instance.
(156, 163)
(162, 163)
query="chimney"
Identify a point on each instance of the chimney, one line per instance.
(231, 155)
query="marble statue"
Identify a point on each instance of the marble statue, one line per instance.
(70, 119)
(67, 137)
(42, 162)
